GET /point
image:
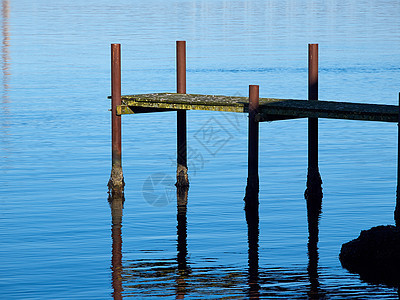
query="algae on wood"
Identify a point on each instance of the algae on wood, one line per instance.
(271, 109)
(174, 101)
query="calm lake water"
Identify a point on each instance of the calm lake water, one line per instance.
(58, 237)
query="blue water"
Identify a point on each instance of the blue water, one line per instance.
(56, 236)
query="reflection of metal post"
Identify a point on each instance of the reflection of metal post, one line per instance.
(313, 214)
(117, 179)
(183, 270)
(181, 172)
(397, 209)
(182, 195)
(252, 219)
(252, 188)
(116, 201)
(314, 181)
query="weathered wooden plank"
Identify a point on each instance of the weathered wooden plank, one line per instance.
(270, 109)
(187, 101)
(127, 110)
(124, 110)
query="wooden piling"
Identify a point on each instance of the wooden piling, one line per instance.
(314, 182)
(252, 188)
(182, 179)
(117, 178)
(397, 209)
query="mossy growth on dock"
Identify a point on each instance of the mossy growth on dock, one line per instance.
(270, 109)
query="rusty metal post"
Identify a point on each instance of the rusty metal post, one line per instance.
(397, 209)
(252, 188)
(182, 179)
(313, 96)
(314, 182)
(117, 179)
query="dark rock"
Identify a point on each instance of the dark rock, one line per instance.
(375, 255)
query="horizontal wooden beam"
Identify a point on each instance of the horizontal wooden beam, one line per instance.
(270, 109)
(329, 110)
(124, 110)
(187, 102)
(128, 110)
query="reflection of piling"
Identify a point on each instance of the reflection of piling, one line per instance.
(183, 269)
(181, 172)
(116, 179)
(313, 215)
(314, 182)
(397, 209)
(181, 227)
(252, 188)
(116, 201)
(252, 219)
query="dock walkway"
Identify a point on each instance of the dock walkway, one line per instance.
(270, 109)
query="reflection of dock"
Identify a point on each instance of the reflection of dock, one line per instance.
(162, 276)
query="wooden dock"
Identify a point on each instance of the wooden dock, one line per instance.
(270, 109)
(258, 109)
